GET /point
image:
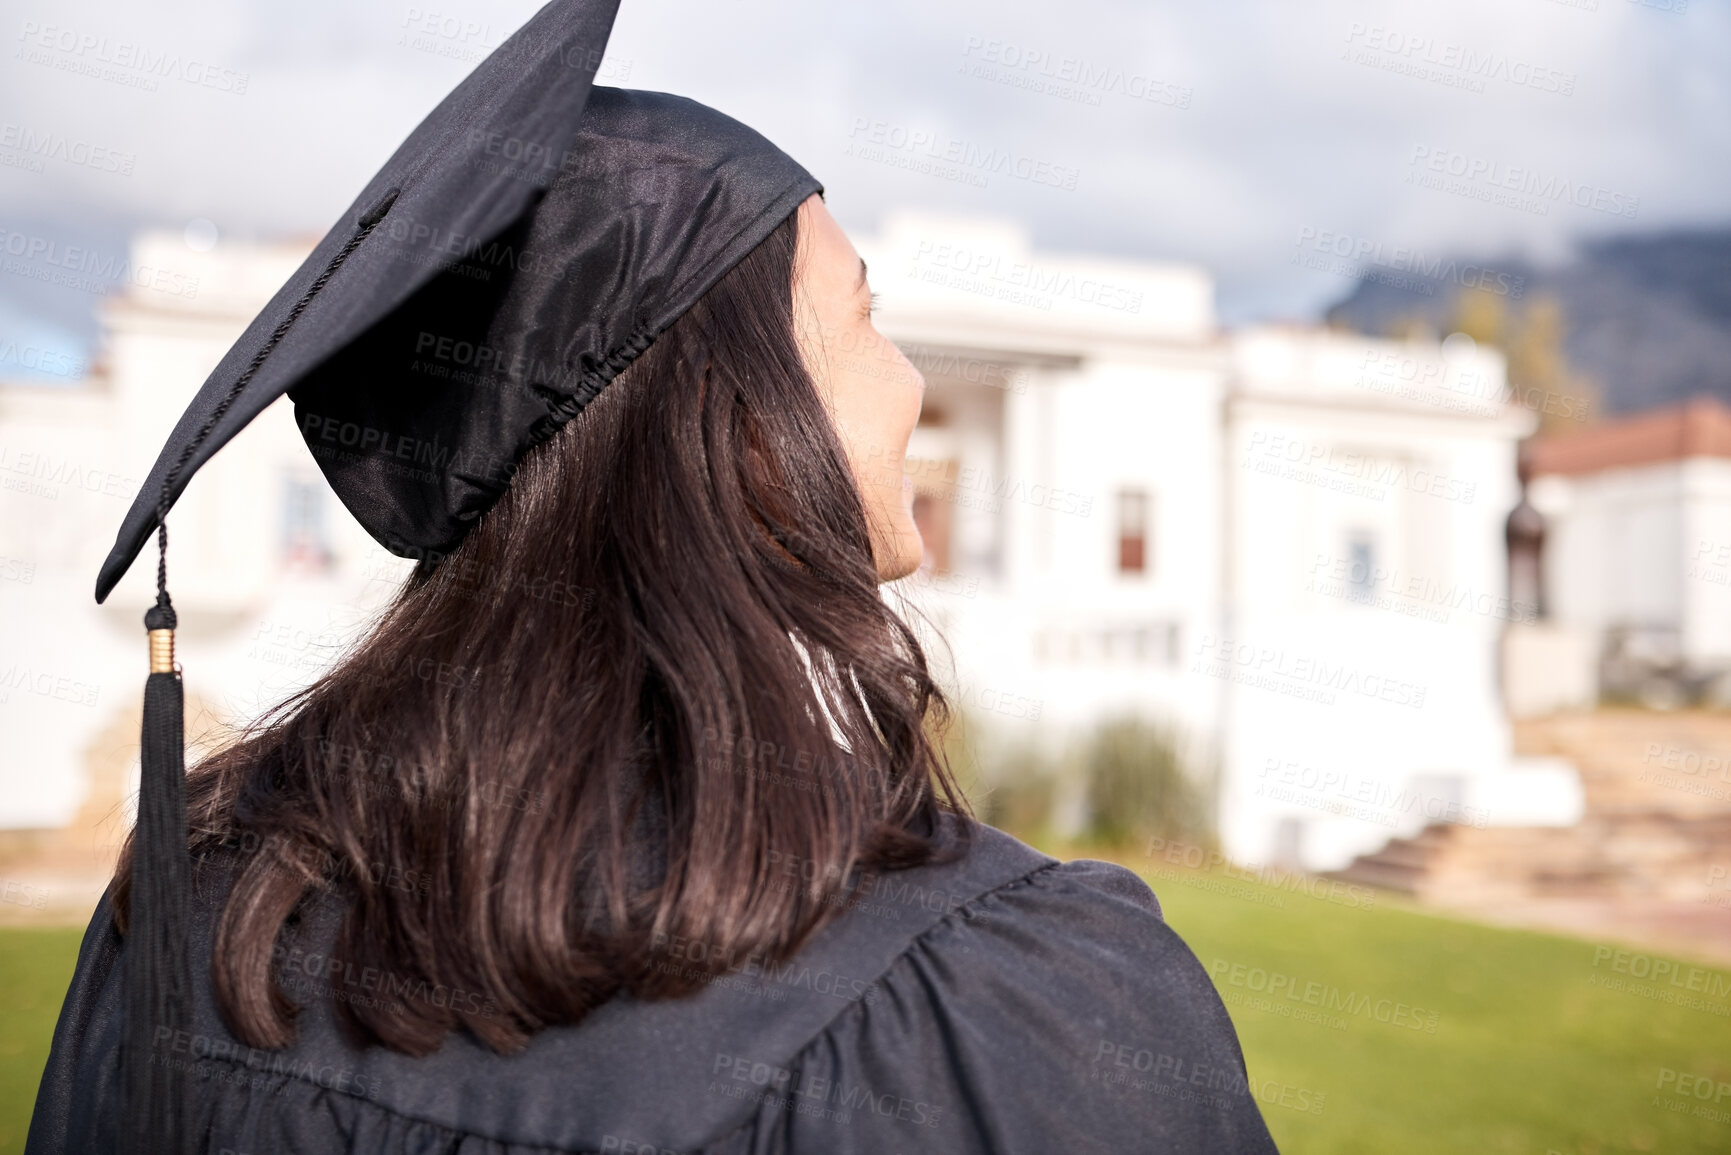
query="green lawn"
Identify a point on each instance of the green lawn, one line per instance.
(1527, 1054)
(35, 966)
(1444, 1036)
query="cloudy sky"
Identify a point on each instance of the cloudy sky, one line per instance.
(1239, 134)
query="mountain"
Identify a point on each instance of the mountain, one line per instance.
(1647, 317)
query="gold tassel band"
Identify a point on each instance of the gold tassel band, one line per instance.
(162, 651)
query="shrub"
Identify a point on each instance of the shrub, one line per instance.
(1138, 786)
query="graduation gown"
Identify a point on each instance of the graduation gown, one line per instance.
(1004, 1003)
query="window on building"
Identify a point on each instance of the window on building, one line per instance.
(1134, 552)
(1361, 568)
(934, 508)
(931, 515)
(306, 540)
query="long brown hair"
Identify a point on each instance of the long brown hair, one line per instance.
(579, 754)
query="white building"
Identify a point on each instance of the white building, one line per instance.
(1285, 541)
(267, 571)
(1637, 553)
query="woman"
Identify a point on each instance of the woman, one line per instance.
(624, 830)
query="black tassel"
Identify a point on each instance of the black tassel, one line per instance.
(158, 992)
(157, 1043)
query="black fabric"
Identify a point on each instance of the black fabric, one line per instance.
(420, 424)
(449, 178)
(1006, 1003)
(653, 198)
(158, 975)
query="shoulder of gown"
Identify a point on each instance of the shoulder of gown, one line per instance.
(90, 1000)
(1057, 1012)
(1005, 1002)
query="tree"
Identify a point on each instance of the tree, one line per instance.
(1539, 369)
(1539, 375)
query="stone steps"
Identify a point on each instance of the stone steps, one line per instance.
(1656, 855)
(1657, 819)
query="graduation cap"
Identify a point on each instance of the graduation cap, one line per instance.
(531, 237)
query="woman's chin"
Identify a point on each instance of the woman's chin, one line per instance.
(905, 559)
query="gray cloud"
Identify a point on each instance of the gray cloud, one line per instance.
(1204, 132)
